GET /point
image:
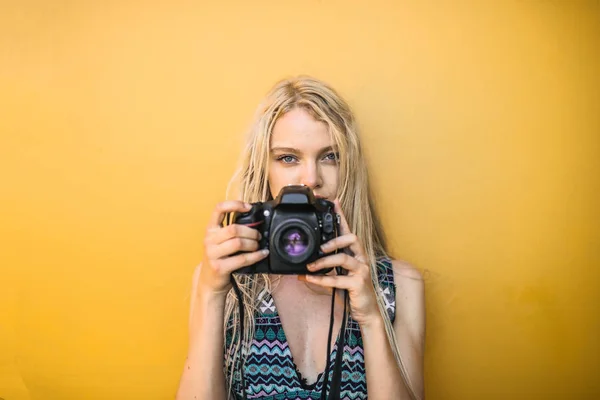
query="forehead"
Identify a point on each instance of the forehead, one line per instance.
(298, 129)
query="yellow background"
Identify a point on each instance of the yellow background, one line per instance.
(121, 123)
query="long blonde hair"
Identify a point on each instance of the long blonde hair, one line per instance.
(324, 104)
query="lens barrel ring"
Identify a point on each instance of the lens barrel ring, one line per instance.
(294, 241)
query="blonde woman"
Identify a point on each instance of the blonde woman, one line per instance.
(304, 134)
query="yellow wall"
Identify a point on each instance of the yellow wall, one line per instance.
(117, 120)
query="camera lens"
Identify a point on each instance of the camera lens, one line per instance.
(294, 242)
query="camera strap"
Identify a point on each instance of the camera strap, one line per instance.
(336, 381)
(336, 378)
(326, 373)
(241, 311)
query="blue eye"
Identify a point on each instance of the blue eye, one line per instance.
(287, 159)
(333, 156)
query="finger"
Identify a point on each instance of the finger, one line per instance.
(232, 231)
(218, 214)
(232, 246)
(330, 281)
(340, 259)
(355, 247)
(229, 264)
(339, 242)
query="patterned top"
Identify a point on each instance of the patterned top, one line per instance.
(270, 372)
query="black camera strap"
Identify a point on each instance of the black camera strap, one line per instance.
(326, 373)
(241, 311)
(336, 379)
(238, 294)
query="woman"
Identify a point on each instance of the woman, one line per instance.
(304, 134)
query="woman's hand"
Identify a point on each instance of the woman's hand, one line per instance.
(363, 301)
(221, 242)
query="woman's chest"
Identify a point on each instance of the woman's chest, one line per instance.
(305, 317)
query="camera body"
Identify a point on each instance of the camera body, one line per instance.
(293, 227)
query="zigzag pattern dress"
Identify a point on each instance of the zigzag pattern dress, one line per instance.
(270, 372)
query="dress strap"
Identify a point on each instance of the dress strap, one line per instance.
(385, 277)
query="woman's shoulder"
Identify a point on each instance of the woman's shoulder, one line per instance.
(397, 269)
(410, 287)
(403, 270)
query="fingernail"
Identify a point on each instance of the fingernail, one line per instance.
(248, 205)
(310, 266)
(265, 251)
(324, 247)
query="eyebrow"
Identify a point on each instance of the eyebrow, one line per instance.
(296, 151)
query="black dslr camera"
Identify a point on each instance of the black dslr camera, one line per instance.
(293, 227)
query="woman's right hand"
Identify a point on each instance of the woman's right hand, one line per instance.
(220, 243)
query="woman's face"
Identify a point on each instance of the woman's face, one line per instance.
(302, 152)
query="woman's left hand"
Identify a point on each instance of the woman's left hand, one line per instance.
(363, 302)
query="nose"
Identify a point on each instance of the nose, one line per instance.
(311, 175)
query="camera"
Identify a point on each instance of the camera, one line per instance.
(293, 227)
